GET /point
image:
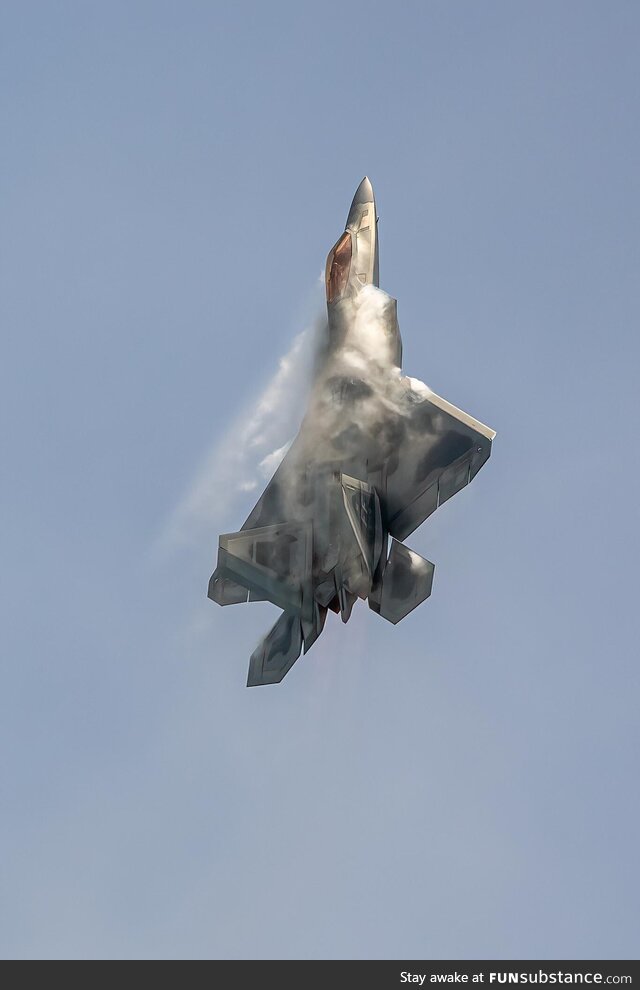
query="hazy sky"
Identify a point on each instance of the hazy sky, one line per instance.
(464, 784)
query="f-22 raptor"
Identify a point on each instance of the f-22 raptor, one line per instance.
(376, 454)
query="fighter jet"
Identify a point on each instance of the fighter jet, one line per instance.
(376, 454)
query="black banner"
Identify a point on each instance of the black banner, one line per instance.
(352, 974)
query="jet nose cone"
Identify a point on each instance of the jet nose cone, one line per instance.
(364, 193)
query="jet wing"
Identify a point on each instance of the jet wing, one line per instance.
(259, 542)
(442, 448)
(269, 509)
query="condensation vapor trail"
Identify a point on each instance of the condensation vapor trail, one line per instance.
(246, 456)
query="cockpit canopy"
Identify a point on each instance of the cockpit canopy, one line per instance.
(338, 266)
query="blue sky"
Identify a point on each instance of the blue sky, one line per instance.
(463, 784)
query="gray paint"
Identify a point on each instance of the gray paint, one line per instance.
(463, 784)
(376, 454)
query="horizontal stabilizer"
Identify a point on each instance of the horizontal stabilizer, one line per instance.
(277, 652)
(311, 630)
(406, 582)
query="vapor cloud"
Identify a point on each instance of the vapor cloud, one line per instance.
(348, 418)
(248, 453)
